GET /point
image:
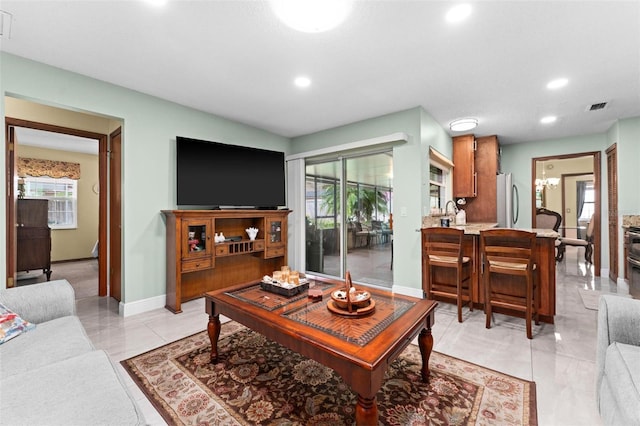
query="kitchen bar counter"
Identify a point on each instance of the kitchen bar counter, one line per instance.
(546, 270)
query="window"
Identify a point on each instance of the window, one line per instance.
(63, 199)
(437, 186)
(588, 207)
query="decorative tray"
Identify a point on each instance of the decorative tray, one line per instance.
(287, 290)
(331, 305)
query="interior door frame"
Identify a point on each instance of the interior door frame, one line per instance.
(11, 173)
(597, 187)
(115, 214)
(612, 197)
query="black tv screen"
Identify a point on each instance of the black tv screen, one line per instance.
(213, 174)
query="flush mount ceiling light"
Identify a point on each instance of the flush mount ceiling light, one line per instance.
(463, 124)
(557, 83)
(458, 13)
(311, 16)
(302, 82)
(548, 119)
(157, 3)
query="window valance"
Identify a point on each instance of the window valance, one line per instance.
(36, 167)
(440, 158)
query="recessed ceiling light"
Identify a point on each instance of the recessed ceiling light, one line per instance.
(557, 83)
(311, 16)
(459, 12)
(302, 82)
(548, 119)
(463, 124)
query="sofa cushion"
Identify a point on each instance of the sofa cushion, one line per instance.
(11, 325)
(623, 377)
(49, 342)
(83, 390)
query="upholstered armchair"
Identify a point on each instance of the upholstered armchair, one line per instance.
(548, 219)
(587, 243)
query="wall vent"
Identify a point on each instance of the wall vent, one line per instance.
(597, 107)
(6, 19)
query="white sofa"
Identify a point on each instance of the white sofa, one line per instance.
(618, 360)
(52, 375)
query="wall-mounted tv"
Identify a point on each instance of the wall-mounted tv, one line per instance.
(218, 175)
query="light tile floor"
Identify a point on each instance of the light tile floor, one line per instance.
(560, 358)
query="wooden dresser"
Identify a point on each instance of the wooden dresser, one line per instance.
(34, 236)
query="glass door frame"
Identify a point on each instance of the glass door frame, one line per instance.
(340, 211)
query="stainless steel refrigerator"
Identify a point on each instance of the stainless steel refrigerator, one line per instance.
(508, 201)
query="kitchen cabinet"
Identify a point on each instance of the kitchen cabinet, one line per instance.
(545, 254)
(483, 207)
(464, 170)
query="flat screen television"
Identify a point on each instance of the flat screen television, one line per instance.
(218, 175)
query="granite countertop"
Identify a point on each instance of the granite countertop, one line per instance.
(630, 220)
(475, 228)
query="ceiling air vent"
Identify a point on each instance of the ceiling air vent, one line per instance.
(598, 106)
(5, 24)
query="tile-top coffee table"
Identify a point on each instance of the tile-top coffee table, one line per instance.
(358, 348)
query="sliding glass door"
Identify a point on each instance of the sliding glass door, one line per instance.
(349, 224)
(323, 218)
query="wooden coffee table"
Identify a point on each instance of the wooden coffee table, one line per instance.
(359, 349)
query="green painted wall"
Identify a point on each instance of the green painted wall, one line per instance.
(150, 128)
(628, 143)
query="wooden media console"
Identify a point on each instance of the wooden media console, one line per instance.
(196, 264)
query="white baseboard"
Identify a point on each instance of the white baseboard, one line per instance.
(408, 291)
(141, 306)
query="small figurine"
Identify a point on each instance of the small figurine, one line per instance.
(193, 242)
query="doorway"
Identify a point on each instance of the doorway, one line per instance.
(12, 144)
(348, 217)
(570, 184)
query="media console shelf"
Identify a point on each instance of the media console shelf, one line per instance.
(196, 264)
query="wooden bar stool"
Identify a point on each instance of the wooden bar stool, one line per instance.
(509, 273)
(446, 272)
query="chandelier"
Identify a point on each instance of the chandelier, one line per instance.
(545, 182)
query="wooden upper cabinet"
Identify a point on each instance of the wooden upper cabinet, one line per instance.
(483, 208)
(464, 170)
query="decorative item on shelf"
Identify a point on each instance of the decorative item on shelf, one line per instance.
(350, 301)
(193, 241)
(252, 232)
(219, 238)
(21, 189)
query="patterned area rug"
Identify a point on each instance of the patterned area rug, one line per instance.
(259, 382)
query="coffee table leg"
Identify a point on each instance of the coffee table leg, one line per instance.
(425, 342)
(366, 411)
(213, 328)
